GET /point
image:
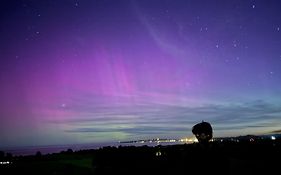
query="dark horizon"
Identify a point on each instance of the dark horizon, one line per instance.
(248, 156)
(51, 149)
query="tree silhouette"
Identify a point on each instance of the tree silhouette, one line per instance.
(203, 132)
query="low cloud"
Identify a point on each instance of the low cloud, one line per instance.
(156, 118)
(276, 131)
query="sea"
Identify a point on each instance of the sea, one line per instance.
(32, 150)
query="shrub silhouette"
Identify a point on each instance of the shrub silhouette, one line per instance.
(203, 132)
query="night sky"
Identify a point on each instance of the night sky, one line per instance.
(95, 71)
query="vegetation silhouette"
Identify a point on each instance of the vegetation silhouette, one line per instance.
(203, 132)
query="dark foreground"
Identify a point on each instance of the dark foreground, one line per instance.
(242, 157)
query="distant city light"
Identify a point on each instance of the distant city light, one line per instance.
(4, 163)
(158, 153)
(273, 138)
(187, 140)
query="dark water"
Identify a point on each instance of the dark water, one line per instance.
(58, 148)
(32, 150)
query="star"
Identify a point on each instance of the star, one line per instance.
(217, 46)
(63, 105)
(253, 6)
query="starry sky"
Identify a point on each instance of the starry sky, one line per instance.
(96, 71)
